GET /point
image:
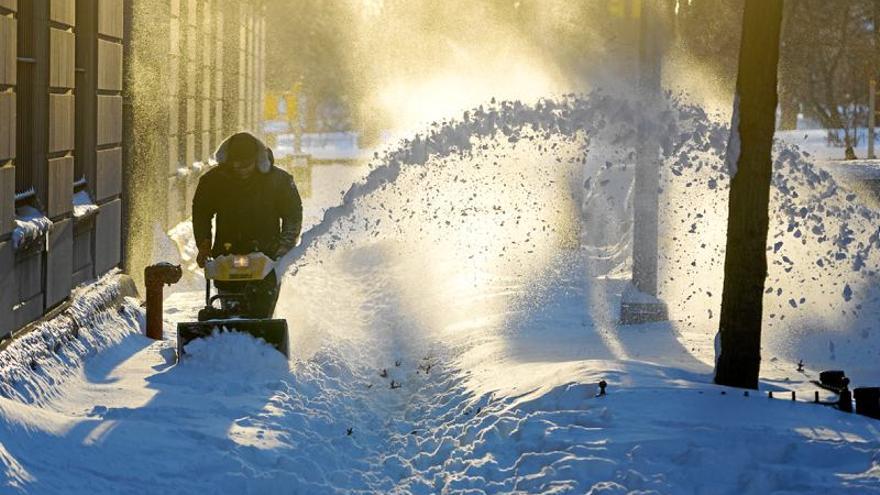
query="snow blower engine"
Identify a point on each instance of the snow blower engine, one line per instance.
(231, 312)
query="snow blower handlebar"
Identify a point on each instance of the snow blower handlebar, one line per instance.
(251, 267)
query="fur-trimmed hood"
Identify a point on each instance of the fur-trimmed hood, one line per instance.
(265, 157)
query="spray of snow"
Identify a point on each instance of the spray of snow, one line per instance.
(821, 239)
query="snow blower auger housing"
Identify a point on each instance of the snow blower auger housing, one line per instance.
(230, 312)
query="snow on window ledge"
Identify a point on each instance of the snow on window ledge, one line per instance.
(30, 226)
(83, 206)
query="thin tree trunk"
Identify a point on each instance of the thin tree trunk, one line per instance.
(745, 264)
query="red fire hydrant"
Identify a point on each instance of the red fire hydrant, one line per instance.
(156, 277)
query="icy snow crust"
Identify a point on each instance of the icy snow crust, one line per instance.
(451, 318)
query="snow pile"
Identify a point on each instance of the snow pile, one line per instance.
(30, 226)
(100, 316)
(221, 348)
(83, 205)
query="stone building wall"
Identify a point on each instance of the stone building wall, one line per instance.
(109, 112)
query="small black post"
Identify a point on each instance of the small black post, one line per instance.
(844, 402)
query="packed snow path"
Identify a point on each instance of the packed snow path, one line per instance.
(449, 324)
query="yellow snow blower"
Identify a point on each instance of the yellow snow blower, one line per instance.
(232, 312)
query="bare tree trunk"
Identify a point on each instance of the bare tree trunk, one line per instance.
(749, 155)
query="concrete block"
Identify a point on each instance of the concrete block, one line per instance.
(173, 155)
(174, 116)
(174, 38)
(206, 114)
(7, 200)
(8, 50)
(192, 44)
(109, 120)
(83, 267)
(61, 122)
(191, 8)
(109, 66)
(173, 81)
(28, 311)
(109, 174)
(207, 145)
(62, 58)
(218, 119)
(29, 274)
(110, 18)
(190, 149)
(7, 125)
(219, 77)
(63, 12)
(8, 288)
(190, 114)
(59, 262)
(190, 73)
(60, 197)
(108, 237)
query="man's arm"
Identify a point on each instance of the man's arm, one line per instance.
(291, 218)
(202, 214)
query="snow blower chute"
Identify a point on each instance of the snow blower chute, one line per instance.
(234, 313)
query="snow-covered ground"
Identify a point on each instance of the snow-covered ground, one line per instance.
(815, 142)
(451, 319)
(862, 174)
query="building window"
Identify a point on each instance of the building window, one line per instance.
(26, 68)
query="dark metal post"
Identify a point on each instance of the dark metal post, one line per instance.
(156, 277)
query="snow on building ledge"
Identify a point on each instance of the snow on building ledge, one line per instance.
(31, 225)
(83, 206)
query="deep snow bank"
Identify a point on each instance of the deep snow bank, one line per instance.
(99, 316)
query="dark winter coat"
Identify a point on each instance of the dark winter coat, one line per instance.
(263, 212)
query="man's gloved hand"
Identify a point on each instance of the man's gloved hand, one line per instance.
(204, 252)
(285, 248)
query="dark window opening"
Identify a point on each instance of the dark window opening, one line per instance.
(24, 161)
(86, 100)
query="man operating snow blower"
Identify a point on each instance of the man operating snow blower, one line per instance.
(256, 208)
(258, 215)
